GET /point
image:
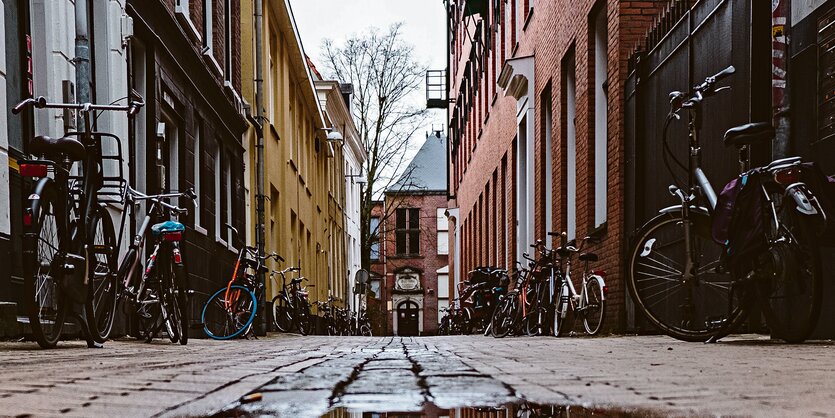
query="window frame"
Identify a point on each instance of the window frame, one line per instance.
(409, 232)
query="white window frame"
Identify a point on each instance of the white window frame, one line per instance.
(208, 35)
(227, 28)
(183, 12)
(443, 231)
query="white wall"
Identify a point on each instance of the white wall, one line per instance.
(5, 225)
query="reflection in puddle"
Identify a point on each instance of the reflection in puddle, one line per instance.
(515, 410)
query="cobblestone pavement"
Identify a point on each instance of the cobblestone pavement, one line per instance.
(298, 376)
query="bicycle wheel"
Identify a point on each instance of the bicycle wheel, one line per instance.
(594, 311)
(790, 295)
(101, 310)
(563, 314)
(45, 301)
(175, 304)
(304, 322)
(228, 315)
(498, 325)
(282, 313)
(691, 309)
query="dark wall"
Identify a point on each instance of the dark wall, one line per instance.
(812, 95)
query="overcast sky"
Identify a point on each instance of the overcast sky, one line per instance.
(424, 27)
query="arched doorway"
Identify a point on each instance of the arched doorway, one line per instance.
(408, 314)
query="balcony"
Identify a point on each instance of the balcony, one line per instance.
(436, 90)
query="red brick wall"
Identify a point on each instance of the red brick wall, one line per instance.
(554, 30)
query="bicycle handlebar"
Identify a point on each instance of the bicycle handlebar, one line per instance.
(40, 103)
(158, 198)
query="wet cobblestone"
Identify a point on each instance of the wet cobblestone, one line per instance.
(305, 376)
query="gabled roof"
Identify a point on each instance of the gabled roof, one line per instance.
(428, 170)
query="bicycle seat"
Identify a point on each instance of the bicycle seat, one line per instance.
(296, 281)
(588, 257)
(749, 134)
(52, 147)
(167, 227)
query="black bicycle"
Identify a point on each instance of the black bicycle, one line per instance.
(65, 224)
(697, 267)
(157, 295)
(291, 307)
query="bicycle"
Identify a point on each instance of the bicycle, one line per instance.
(694, 289)
(62, 221)
(231, 310)
(291, 308)
(158, 294)
(589, 303)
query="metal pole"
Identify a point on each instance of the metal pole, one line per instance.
(261, 326)
(780, 25)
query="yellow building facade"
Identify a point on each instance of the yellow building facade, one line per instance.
(302, 222)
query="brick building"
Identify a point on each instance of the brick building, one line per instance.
(185, 60)
(409, 271)
(536, 128)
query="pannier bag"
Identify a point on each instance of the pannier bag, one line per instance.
(738, 224)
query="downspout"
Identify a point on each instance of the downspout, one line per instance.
(449, 136)
(82, 57)
(261, 324)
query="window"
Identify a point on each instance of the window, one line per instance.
(408, 231)
(570, 146)
(227, 28)
(601, 66)
(375, 233)
(208, 34)
(228, 196)
(443, 232)
(374, 280)
(198, 167)
(443, 288)
(170, 181)
(218, 195)
(547, 195)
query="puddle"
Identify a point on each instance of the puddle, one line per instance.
(519, 409)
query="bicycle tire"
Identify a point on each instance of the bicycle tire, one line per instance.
(692, 321)
(791, 304)
(563, 312)
(101, 310)
(594, 311)
(498, 328)
(177, 300)
(304, 322)
(46, 303)
(226, 324)
(282, 314)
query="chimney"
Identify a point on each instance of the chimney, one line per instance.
(347, 90)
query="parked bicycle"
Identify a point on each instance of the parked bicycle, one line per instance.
(155, 296)
(230, 312)
(589, 304)
(291, 306)
(514, 314)
(64, 224)
(765, 222)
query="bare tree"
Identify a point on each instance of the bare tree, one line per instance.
(385, 74)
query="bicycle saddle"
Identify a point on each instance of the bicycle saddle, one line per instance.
(588, 257)
(296, 281)
(52, 147)
(167, 227)
(748, 134)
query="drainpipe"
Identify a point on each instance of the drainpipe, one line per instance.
(260, 231)
(780, 25)
(82, 57)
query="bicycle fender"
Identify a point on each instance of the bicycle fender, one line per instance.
(35, 197)
(602, 282)
(677, 208)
